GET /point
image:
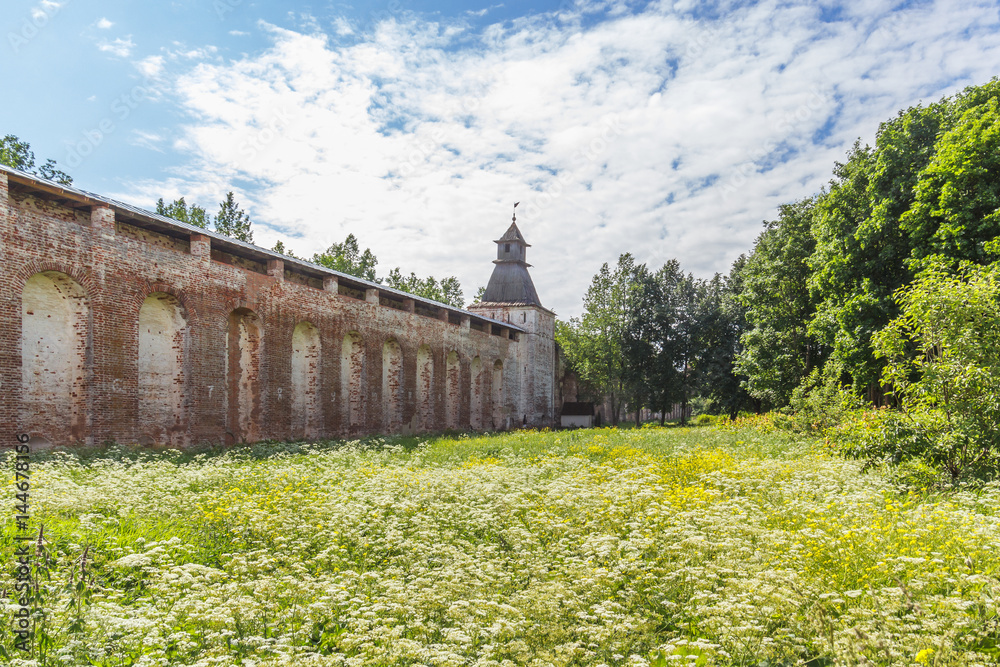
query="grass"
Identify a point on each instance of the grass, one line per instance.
(704, 546)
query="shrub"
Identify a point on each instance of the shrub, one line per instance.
(821, 402)
(762, 423)
(887, 437)
(943, 366)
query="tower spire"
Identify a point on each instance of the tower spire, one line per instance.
(510, 282)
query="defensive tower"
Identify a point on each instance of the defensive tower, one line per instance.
(511, 297)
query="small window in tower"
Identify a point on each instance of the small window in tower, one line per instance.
(506, 247)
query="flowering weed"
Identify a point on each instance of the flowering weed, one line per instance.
(740, 546)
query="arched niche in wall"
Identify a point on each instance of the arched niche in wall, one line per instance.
(392, 386)
(163, 386)
(243, 340)
(352, 368)
(55, 341)
(425, 388)
(453, 390)
(306, 353)
(497, 396)
(476, 394)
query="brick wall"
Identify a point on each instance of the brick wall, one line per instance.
(166, 339)
(528, 373)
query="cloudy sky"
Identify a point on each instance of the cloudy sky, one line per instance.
(665, 129)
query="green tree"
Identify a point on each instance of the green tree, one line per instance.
(279, 247)
(861, 251)
(943, 364)
(347, 258)
(928, 187)
(480, 294)
(689, 298)
(957, 207)
(447, 291)
(232, 221)
(178, 210)
(659, 338)
(18, 155)
(594, 343)
(721, 322)
(777, 350)
(648, 343)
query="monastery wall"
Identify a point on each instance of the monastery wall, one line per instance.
(533, 363)
(119, 325)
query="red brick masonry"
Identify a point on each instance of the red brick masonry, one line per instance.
(118, 324)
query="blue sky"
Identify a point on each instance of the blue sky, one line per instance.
(666, 129)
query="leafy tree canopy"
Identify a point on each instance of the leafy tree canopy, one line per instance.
(943, 365)
(777, 351)
(18, 155)
(721, 323)
(232, 221)
(594, 343)
(178, 210)
(280, 248)
(928, 187)
(447, 291)
(347, 258)
(957, 207)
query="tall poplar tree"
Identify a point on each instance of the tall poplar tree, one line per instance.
(595, 343)
(179, 210)
(347, 258)
(232, 221)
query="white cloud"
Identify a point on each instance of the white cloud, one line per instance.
(238, 33)
(151, 67)
(196, 54)
(342, 27)
(104, 24)
(117, 47)
(305, 21)
(149, 140)
(45, 10)
(658, 133)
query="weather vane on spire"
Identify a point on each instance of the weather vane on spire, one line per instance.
(514, 217)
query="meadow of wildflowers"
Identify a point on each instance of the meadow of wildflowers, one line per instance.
(600, 547)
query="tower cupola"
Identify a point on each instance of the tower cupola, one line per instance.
(511, 246)
(510, 283)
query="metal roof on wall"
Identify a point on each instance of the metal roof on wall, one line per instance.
(225, 242)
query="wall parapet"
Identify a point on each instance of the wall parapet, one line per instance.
(215, 342)
(236, 251)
